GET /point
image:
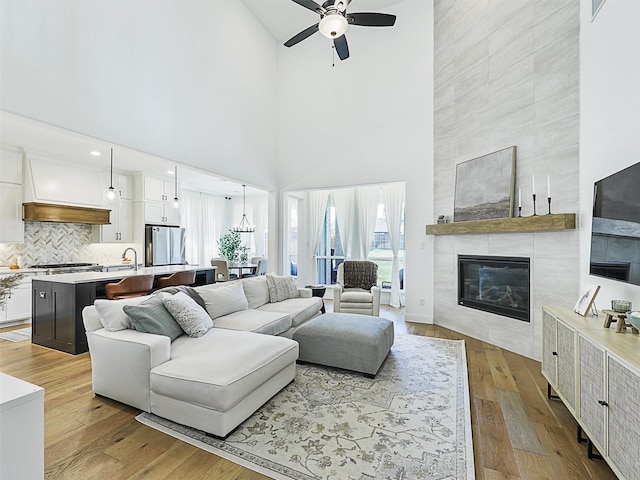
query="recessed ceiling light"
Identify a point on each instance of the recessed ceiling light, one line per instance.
(95, 153)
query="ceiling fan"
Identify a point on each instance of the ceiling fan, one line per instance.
(334, 21)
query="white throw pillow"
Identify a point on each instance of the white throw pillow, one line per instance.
(112, 315)
(281, 288)
(190, 316)
(224, 299)
(256, 290)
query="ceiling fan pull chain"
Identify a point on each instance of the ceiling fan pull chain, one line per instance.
(333, 55)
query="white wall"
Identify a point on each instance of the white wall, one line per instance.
(181, 80)
(367, 120)
(610, 117)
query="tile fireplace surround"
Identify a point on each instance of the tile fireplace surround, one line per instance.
(554, 281)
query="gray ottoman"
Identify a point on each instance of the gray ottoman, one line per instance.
(345, 340)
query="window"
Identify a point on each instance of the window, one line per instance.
(330, 250)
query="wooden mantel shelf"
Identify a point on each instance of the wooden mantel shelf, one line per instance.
(557, 221)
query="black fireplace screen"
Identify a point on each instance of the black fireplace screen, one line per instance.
(495, 284)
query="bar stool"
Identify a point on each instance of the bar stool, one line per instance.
(133, 286)
(177, 278)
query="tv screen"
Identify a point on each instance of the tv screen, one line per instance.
(615, 229)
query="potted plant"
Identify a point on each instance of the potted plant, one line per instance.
(230, 248)
(7, 283)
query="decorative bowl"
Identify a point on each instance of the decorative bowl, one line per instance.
(620, 306)
(634, 319)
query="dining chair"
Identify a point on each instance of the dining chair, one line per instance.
(222, 270)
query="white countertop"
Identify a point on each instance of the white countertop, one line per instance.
(87, 277)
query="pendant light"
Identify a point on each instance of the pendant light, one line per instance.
(244, 226)
(176, 202)
(111, 195)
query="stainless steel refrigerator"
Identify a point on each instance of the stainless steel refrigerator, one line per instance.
(164, 246)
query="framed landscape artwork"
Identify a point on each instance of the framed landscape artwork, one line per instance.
(485, 186)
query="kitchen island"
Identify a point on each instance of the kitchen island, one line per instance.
(58, 301)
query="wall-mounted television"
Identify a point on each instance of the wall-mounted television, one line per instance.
(615, 229)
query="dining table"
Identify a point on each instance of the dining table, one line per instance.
(243, 269)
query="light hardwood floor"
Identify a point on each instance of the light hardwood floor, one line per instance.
(518, 433)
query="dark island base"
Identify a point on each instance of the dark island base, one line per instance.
(57, 311)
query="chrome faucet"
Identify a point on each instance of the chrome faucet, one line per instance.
(135, 257)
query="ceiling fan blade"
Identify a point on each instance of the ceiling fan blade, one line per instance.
(367, 19)
(307, 32)
(342, 47)
(311, 5)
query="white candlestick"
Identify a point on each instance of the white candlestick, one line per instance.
(533, 183)
(519, 198)
(548, 187)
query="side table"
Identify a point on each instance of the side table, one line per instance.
(318, 291)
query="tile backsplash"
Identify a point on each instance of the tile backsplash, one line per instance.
(46, 242)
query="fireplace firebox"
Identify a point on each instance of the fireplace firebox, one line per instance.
(498, 285)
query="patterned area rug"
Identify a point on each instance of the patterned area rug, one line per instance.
(17, 335)
(410, 422)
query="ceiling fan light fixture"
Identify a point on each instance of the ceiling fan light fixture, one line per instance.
(333, 25)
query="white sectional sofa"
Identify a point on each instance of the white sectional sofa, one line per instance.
(212, 382)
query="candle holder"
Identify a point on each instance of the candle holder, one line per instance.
(534, 206)
(549, 202)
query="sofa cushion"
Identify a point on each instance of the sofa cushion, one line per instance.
(222, 367)
(223, 299)
(259, 321)
(193, 319)
(299, 309)
(256, 290)
(112, 315)
(151, 316)
(281, 288)
(357, 296)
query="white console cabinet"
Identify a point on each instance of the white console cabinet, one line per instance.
(21, 429)
(605, 383)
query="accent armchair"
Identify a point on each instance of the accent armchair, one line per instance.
(356, 290)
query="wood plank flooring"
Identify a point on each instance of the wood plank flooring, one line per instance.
(518, 433)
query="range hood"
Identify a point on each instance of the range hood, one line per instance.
(49, 212)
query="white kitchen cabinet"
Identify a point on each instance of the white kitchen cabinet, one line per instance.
(120, 230)
(17, 307)
(158, 190)
(159, 213)
(11, 224)
(10, 165)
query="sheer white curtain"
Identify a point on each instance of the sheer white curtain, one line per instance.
(393, 195)
(259, 208)
(345, 208)
(317, 209)
(367, 203)
(202, 217)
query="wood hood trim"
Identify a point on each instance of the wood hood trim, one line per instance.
(49, 212)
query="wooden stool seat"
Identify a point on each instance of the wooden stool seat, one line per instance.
(133, 286)
(620, 318)
(177, 278)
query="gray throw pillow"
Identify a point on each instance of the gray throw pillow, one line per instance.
(192, 292)
(281, 288)
(151, 316)
(193, 319)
